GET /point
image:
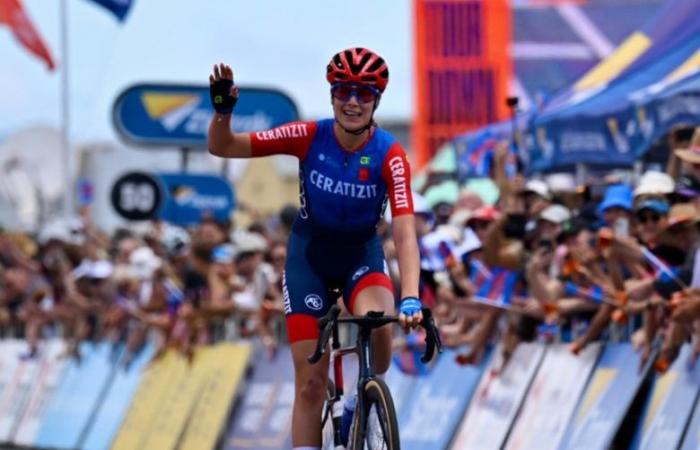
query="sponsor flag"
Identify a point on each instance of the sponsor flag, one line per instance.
(120, 8)
(14, 16)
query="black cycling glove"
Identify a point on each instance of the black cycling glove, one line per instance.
(221, 98)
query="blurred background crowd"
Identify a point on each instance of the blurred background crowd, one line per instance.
(515, 259)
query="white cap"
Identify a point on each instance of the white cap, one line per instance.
(143, 262)
(556, 214)
(93, 269)
(654, 183)
(420, 204)
(539, 187)
(247, 242)
(562, 182)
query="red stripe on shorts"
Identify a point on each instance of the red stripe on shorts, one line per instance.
(371, 279)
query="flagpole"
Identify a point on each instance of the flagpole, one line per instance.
(65, 116)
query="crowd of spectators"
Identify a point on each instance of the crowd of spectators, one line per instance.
(545, 259)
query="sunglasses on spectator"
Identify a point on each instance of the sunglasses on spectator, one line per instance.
(363, 94)
(644, 218)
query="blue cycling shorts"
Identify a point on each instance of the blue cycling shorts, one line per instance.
(316, 267)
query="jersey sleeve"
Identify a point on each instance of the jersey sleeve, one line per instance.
(293, 138)
(396, 173)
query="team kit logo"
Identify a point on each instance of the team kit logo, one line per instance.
(314, 301)
(359, 272)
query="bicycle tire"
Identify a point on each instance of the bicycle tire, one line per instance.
(376, 394)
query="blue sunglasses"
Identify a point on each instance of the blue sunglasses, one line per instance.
(363, 94)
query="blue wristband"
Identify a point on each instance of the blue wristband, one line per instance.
(410, 306)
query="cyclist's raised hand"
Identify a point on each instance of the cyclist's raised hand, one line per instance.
(410, 314)
(223, 93)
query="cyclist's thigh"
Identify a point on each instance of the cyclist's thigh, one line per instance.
(369, 270)
(305, 293)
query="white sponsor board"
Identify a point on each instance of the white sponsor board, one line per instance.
(16, 390)
(42, 386)
(497, 399)
(552, 398)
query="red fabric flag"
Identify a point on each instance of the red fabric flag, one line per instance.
(13, 15)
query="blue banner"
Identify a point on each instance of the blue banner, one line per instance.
(435, 407)
(189, 197)
(692, 434)
(179, 115)
(113, 408)
(120, 8)
(76, 397)
(608, 396)
(670, 405)
(263, 420)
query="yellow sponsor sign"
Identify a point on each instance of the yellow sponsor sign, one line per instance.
(226, 366)
(155, 385)
(177, 399)
(158, 104)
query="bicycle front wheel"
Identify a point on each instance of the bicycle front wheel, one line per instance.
(375, 425)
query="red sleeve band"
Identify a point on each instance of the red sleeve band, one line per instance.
(293, 139)
(397, 176)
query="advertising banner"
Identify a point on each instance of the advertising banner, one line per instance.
(497, 399)
(225, 368)
(17, 385)
(401, 386)
(116, 401)
(160, 380)
(437, 403)
(670, 405)
(51, 365)
(179, 115)
(176, 398)
(692, 434)
(76, 397)
(263, 419)
(552, 398)
(609, 394)
(189, 197)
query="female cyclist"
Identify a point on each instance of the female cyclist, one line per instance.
(349, 168)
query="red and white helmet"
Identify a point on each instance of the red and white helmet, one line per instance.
(358, 65)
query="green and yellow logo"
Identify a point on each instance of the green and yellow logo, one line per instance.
(364, 160)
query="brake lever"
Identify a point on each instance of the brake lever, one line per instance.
(432, 336)
(325, 326)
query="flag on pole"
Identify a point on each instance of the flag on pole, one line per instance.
(13, 15)
(120, 8)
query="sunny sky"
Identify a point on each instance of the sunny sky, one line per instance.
(275, 43)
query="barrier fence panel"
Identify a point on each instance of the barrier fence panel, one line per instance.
(116, 402)
(498, 399)
(608, 396)
(226, 366)
(159, 381)
(402, 386)
(18, 373)
(691, 441)
(76, 397)
(670, 404)
(552, 398)
(437, 403)
(51, 365)
(263, 420)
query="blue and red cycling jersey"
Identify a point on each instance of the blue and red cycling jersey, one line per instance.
(341, 190)
(334, 244)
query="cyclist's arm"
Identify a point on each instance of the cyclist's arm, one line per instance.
(223, 142)
(404, 231)
(289, 139)
(397, 176)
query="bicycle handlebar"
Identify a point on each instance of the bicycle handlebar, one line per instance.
(374, 320)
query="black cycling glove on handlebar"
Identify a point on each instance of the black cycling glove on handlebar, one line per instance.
(221, 98)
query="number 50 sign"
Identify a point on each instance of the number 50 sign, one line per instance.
(137, 196)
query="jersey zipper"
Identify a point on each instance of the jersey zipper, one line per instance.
(343, 211)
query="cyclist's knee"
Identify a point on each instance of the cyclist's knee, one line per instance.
(312, 389)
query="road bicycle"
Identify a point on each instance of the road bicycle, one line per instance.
(374, 425)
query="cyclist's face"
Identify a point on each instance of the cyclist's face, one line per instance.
(353, 105)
